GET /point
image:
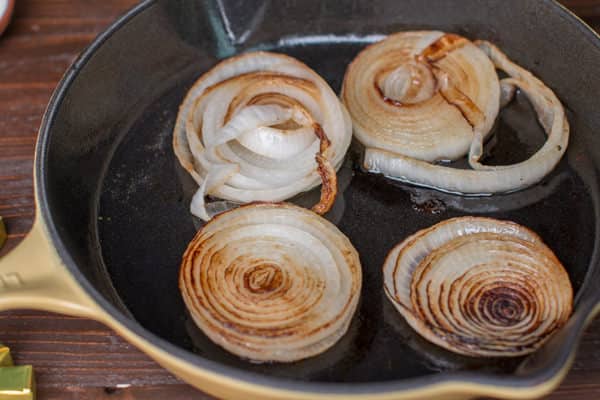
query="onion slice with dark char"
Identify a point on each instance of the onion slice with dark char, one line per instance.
(271, 282)
(261, 127)
(479, 287)
(420, 97)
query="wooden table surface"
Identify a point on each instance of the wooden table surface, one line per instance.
(76, 358)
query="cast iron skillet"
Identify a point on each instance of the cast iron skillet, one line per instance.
(113, 221)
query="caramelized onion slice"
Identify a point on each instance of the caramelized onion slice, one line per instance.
(261, 127)
(406, 125)
(411, 93)
(271, 282)
(479, 287)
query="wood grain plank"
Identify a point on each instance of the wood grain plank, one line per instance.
(50, 9)
(589, 10)
(124, 392)
(77, 358)
(583, 8)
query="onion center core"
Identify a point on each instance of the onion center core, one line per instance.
(503, 307)
(410, 83)
(263, 278)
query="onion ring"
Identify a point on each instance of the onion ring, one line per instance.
(261, 127)
(479, 287)
(420, 97)
(271, 282)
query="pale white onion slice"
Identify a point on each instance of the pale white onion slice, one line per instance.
(261, 127)
(271, 282)
(275, 143)
(396, 132)
(479, 287)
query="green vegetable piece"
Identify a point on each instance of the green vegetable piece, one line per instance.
(17, 383)
(5, 358)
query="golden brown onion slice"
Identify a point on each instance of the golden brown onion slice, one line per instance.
(479, 287)
(271, 282)
(420, 97)
(411, 93)
(261, 127)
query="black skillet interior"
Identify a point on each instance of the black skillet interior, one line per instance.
(120, 199)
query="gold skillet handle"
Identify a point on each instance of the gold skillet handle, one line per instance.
(32, 276)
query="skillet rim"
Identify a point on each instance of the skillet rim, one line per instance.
(542, 376)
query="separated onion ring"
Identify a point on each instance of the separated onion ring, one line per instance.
(271, 282)
(261, 127)
(479, 287)
(420, 97)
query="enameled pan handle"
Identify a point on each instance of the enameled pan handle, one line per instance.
(32, 276)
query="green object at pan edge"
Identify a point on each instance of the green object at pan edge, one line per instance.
(17, 383)
(5, 357)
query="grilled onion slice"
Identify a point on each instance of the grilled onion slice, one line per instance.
(479, 287)
(261, 127)
(271, 282)
(420, 97)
